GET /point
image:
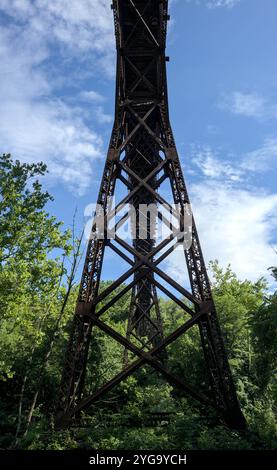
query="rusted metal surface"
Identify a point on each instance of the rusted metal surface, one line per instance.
(142, 155)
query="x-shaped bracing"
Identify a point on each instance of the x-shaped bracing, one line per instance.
(142, 20)
(144, 267)
(144, 358)
(141, 89)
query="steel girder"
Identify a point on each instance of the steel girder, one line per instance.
(142, 154)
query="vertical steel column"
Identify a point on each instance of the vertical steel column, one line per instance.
(142, 154)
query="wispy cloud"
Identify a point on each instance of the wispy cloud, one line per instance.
(236, 227)
(262, 159)
(237, 169)
(248, 104)
(216, 3)
(236, 219)
(207, 160)
(222, 3)
(82, 26)
(37, 124)
(97, 111)
(92, 96)
(102, 117)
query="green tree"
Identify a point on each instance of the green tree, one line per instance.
(33, 248)
(37, 301)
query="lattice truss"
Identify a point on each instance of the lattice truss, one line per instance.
(142, 155)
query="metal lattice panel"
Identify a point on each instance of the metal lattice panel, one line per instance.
(142, 155)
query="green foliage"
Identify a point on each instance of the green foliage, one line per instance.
(27, 232)
(264, 340)
(33, 250)
(29, 274)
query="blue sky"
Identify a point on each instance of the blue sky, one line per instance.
(57, 102)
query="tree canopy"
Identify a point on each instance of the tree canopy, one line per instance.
(37, 297)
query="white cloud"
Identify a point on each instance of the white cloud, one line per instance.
(216, 3)
(92, 96)
(97, 110)
(248, 104)
(52, 133)
(37, 125)
(262, 159)
(102, 117)
(212, 166)
(222, 3)
(83, 26)
(236, 227)
(237, 223)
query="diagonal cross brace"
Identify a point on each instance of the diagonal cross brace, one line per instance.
(144, 358)
(142, 123)
(144, 23)
(149, 359)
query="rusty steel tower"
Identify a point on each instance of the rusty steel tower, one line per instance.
(141, 156)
